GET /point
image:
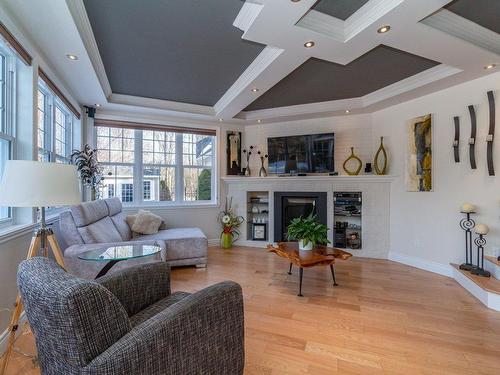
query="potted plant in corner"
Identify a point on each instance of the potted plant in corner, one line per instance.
(308, 231)
(230, 224)
(89, 169)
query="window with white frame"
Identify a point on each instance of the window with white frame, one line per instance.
(156, 166)
(7, 115)
(55, 127)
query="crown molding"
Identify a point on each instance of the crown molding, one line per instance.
(330, 107)
(245, 81)
(247, 15)
(433, 74)
(82, 22)
(161, 104)
(464, 29)
(324, 24)
(368, 14)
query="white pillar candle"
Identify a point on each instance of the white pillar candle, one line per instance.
(481, 229)
(467, 208)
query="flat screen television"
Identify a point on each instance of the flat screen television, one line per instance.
(301, 154)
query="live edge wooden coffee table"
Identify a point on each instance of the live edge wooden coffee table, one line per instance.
(319, 256)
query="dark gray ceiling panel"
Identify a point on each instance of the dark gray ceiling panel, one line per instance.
(319, 80)
(179, 50)
(483, 12)
(342, 9)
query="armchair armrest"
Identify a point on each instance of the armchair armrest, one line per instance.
(139, 286)
(201, 334)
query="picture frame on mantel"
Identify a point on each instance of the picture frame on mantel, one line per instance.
(233, 152)
(418, 176)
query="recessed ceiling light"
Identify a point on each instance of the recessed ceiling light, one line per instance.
(490, 66)
(309, 44)
(97, 104)
(220, 120)
(383, 29)
(347, 111)
(255, 89)
(259, 121)
(294, 1)
(72, 57)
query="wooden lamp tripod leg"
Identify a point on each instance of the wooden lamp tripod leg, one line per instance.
(48, 240)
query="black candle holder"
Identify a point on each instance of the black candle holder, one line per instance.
(480, 241)
(467, 224)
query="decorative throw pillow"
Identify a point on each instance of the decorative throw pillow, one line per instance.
(146, 223)
(131, 220)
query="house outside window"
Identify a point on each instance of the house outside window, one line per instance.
(159, 167)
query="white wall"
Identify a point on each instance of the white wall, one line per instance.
(349, 131)
(425, 225)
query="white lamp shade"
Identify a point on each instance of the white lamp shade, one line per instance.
(34, 184)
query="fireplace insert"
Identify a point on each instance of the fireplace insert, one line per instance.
(290, 205)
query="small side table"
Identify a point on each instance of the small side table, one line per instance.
(319, 256)
(114, 254)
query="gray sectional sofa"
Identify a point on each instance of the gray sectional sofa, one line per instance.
(102, 223)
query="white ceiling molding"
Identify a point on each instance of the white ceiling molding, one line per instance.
(245, 82)
(247, 15)
(324, 24)
(418, 80)
(161, 104)
(82, 22)
(369, 13)
(421, 79)
(464, 29)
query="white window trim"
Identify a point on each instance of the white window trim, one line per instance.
(179, 202)
(9, 133)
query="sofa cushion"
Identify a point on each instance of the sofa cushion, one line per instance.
(114, 205)
(146, 223)
(89, 212)
(100, 231)
(68, 229)
(182, 243)
(120, 222)
(157, 307)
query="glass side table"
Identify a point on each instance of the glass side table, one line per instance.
(115, 254)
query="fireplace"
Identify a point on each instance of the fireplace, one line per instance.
(290, 205)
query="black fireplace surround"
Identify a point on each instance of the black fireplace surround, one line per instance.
(290, 205)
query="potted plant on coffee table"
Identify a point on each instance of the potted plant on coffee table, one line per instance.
(308, 231)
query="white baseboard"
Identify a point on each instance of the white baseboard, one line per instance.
(5, 334)
(427, 265)
(213, 242)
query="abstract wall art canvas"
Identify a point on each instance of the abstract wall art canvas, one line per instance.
(419, 157)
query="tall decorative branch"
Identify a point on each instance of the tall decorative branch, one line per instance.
(89, 169)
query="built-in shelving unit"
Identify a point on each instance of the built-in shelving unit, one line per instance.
(257, 215)
(347, 207)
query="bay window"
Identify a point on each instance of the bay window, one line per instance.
(156, 166)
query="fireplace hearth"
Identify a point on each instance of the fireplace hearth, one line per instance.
(290, 205)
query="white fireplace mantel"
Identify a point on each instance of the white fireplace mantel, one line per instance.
(375, 194)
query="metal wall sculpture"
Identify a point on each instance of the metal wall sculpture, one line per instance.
(419, 155)
(456, 141)
(472, 139)
(491, 134)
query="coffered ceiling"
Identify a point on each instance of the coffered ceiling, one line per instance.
(243, 61)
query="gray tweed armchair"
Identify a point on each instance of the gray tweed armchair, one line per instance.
(130, 323)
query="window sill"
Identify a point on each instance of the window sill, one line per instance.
(14, 231)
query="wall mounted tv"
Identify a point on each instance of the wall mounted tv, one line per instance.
(301, 154)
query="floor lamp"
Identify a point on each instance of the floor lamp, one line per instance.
(35, 184)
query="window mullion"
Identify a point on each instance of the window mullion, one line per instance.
(179, 168)
(138, 167)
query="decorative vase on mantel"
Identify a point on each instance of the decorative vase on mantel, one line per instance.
(248, 153)
(262, 171)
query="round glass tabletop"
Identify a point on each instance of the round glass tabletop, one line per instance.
(120, 252)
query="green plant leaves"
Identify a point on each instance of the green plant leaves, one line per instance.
(308, 229)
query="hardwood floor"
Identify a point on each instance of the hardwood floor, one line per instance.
(383, 318)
